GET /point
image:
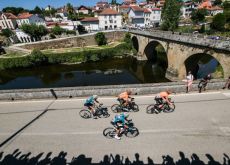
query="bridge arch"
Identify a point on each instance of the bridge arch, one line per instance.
(155, 51)
(201, 64)
(135, 43)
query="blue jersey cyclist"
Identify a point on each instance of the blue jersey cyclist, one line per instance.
(119, 123)
(90, 103)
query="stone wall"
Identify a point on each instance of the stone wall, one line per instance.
(111, 90)
(76, 41)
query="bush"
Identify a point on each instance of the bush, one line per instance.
(37, 58)
(100, 39)
(52, 36)
(57, 30)
(7, 32)
(71, 32)
(218, 22)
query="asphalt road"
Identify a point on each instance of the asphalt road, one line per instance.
(200, 124)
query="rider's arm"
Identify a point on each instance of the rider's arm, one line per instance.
(167, 100)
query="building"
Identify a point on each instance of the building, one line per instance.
(187, 8)
(155, 17)
(215, 10)
(90, 23)
(62, 13)
(136, 16)
(8, 21)
(123, 9)
(26, 18)
(82, 9)
(147, 17)
(23, 37)
(109, 19)
(129, 2)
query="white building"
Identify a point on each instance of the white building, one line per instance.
(109, 19)
(187, 8)
(26, 18)
(90, 23)
(147, 17)
(136, 16)
(82, 9)
(215, 10)
(23, 37)
(8, 21)
(155, 16)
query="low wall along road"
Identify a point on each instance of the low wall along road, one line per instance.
(108, 90)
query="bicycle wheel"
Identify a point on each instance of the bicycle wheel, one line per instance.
(105, 114)
(135, 108)
(169, 108)
(132, 132)
(150, 109)
(116, 108)
(86, 114)
(109, 132)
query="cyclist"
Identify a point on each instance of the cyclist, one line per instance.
(123, 98)
(119, 123)
(90, 103)
(163, 97)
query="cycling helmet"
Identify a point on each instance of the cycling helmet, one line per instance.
(129, 91)
(95, 97)
(169, 91)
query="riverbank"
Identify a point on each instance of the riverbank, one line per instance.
(107, 90)
(67, 55)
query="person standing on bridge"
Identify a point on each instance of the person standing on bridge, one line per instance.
(189, 81)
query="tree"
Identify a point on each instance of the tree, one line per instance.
(34, 30)
(113, 2)
(37, 10)
(100, 38)
(69, 8)
(218, 22)
(226, 5)
(7, 32)
(198, 15)
(57, 30)
(217, 2)
(81, 29)
(170, 15)
(14, 10)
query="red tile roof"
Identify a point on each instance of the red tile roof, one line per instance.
(90, 19)
(124, 6)
(146, 10)
(136, 8)
(24, 15)
(156, 9)
(215, 8)
(109, 11)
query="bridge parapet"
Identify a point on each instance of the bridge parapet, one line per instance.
(185, 39)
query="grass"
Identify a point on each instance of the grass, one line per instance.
(12, 54)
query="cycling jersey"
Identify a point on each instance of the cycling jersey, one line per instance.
(89, 101)
(163, 94)
(119, 119)
(124, 96)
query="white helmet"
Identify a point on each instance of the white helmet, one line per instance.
(95, 97)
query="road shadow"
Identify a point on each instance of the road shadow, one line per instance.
(19, 158)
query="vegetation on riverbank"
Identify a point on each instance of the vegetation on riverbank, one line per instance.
(38, 58)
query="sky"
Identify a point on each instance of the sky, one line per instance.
(30, 4)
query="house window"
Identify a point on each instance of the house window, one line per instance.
(115, 21)
(105, 17)
(105, 22)
(106, 27)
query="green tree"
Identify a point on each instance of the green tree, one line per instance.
(37, 58)
(37, 10)
(57, 30)
(217, 2)
(113, 2)
(226, 5)
(81, 29)
(218, 22)
(100, 38)
(14, 10)
(171, 14)
(7, 32)
(34, 30)
(198, 15)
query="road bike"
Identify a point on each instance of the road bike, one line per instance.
(100, 111)
(131, 107)
(130, 132)
(154, 108)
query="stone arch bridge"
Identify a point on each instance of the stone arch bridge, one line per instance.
(179, 48)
